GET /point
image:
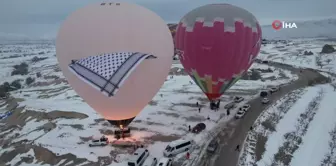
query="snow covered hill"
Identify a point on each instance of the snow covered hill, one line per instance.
(306, 29)
(8, 38)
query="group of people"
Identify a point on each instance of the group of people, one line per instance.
(215, 105)
(103, 138)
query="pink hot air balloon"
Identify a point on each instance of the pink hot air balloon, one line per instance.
(217, 43)
(116, 56)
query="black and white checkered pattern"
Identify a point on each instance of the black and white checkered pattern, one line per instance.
(105, 65)
(107, 72)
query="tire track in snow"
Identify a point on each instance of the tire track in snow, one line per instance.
(294, 139)
(330, 157)
(274, 115)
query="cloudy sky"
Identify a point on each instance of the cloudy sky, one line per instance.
(41, 18)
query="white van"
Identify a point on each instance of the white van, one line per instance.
(150, 161)
(177, 147)
(165, 162)
(138, 157)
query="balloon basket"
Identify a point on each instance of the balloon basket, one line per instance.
(122, 133)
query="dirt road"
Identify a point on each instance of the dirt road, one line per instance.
(236, 130)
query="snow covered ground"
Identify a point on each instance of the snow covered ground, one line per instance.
(298, 129)
(292, 53)
(52, 119)
(297, 125)
(51, 115)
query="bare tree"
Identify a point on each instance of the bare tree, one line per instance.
(328, 61)
(319, 63)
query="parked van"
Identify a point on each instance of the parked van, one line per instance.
(150, 161)
(177, 147)
(165, 162)
(138, 157)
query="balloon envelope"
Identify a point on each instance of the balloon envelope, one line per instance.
(116, 56)
(217, 44)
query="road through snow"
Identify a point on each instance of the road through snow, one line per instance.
(227, 155)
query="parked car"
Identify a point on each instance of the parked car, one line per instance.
(240, 114)
(198, 128)
(245, 107)
(165, 162)
(238, 99)
(150, 161)
(103, 141)
(212, 147)
(265, 93)
(265, 100)
(274, 89)
(230, 105)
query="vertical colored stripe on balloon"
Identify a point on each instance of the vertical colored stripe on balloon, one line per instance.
(198, 80)
(235, 79)
(204, 83)
(208, 81)
(228, 85)
(223, 87)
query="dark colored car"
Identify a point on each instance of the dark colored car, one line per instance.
(212, 147)
(263, 94)
(198, 128)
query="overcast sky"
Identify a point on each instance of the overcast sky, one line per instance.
(43, 17)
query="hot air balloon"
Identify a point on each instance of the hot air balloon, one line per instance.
(116, 56)
(217, 43)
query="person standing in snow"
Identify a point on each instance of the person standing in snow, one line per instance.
(197, 104)
(237, 148)
(199, 109)
(188, 155)
(189, 128)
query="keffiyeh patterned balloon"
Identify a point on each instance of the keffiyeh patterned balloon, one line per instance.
(113, 59)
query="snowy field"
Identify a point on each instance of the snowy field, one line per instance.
(300, 128)
(292, 53)
(50, 118)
